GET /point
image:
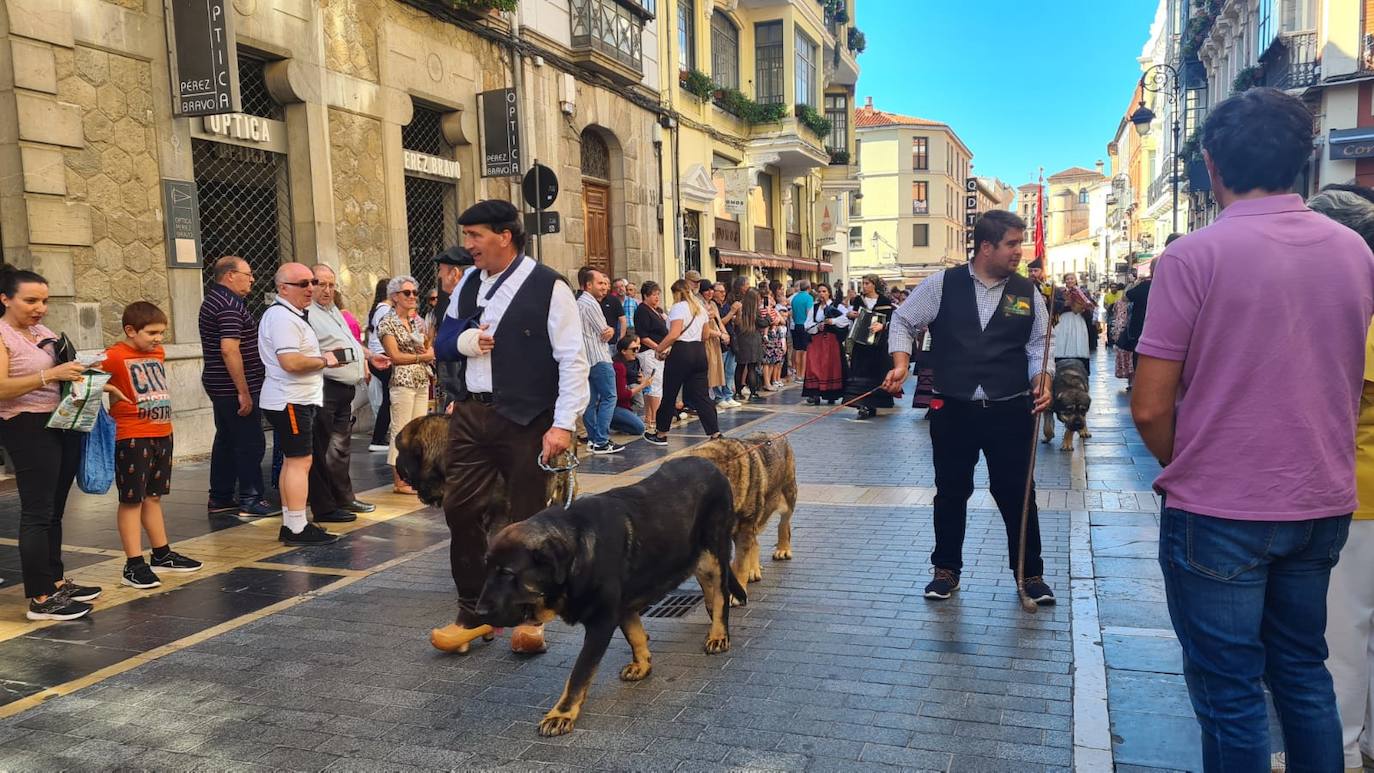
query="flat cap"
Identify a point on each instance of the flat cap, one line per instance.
(1037, 263)
(454, 256)
(489, 212)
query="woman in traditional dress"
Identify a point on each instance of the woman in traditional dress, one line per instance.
(1120, 317)
(828, 325)
(1071, 337)
(870, 363)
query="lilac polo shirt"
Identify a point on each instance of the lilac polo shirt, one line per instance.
(1268, 309)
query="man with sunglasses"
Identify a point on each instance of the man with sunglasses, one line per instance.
(232, 376)
(292, 394)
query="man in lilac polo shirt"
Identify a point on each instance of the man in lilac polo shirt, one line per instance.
(1248, 390)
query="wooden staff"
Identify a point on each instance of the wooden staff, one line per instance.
(1026, 603)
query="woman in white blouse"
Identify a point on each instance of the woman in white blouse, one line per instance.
(686, 364)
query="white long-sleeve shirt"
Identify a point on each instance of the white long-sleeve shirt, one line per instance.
(564, 330)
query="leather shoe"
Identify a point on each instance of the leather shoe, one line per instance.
(338, 516)
(359, 506)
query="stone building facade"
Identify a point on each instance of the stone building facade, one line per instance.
(359, 140)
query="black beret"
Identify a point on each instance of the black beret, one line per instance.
(454, 256)
(1037, 263)
(489, 212)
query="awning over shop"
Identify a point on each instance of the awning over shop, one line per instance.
(757, 259)
(1351, 144)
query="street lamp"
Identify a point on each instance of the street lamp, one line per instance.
(1163, 79)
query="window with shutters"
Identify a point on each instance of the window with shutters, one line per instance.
(920, 235)
(920, 153)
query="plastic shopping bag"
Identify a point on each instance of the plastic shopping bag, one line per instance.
(80, 402)
(97, 471)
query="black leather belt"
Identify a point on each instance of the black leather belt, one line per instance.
(485, 398)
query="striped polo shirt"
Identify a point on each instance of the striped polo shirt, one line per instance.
(225, 315)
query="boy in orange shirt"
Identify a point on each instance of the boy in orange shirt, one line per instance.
(143, 443)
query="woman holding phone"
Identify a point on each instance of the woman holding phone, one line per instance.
(403, 338)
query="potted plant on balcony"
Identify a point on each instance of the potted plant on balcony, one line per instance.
(697, 83)
(1193, 164)
(839, 157)
(808, 116)
(856, 40)
(1248, 78)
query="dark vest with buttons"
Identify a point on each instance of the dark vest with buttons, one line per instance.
(524, 374)
(966, 355)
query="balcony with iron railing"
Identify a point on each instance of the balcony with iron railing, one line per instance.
(608, 37)
(1163, 184)
(1294, 64)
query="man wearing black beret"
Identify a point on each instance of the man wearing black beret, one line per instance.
(450, 266)
(514, 328)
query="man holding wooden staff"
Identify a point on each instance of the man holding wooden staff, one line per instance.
(991, 377)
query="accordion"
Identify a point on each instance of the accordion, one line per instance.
(859, 332)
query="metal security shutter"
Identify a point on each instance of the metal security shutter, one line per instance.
(245, 197)
(431, 205)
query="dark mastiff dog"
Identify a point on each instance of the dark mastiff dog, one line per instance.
(607, 557)
(1071, 402)
(763, 478)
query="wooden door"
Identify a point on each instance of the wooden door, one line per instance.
(596, 212)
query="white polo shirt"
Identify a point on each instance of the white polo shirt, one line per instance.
(284, 329)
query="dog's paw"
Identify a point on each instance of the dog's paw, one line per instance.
(717, 646)
(555, 723)
(1047, 438)
(1085, 434)
(755, 575)
(734, 602)
(1067, 445)
(782, 554)
(635, 671)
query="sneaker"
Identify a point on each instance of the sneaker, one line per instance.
(359, 506)
(140, 576)
(79, 592)
(684, 416)
(1038, 591)
(658, 440)
(376, 448)
(176, 562)
(222, 508)
(605, 448)
(309, 536)
(58, 606)
(338, 516)
(258, 508)
(733, 403)
(944, 584)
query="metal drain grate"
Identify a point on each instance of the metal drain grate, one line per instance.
(673, 605)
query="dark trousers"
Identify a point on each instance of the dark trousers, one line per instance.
(685, 372)
(381, 423)
(331, 486)
(493, 479)
(959, 429)
(45, 464)
(236, 456)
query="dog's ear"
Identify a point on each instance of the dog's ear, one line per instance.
(557, 551)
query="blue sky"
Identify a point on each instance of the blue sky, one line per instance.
(1024, 84)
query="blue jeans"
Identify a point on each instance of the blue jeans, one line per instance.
(625, 420)
(597, 417)
(725, 391)
(1248, 602)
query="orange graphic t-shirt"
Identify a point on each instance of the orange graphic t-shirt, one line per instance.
(142, 377)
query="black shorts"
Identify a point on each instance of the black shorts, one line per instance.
(800, 338)
(293, 429)
(143, 468)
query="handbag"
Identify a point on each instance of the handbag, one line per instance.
(97, 471)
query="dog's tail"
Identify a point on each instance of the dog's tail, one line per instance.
(731, 587)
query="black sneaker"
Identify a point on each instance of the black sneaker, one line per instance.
(176, 562)
(140, 576)
(258, 508)
(222, 508)
(79, 592)
(944, 584)
(1038, 591)
(310, 535)
(605, 448)
(58, 606)
(359, 506)
(338, 516)
(658, 440)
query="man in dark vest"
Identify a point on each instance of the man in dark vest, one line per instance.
(513, 324)
(989, 331)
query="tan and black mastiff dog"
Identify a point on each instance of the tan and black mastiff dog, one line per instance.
(421, 452)
(1071, 402)
(763, 478)
(604, 559)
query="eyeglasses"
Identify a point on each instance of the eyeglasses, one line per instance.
(407, 293)
(304, 283)
(248, 274)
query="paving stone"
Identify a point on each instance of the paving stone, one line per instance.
(288, 758)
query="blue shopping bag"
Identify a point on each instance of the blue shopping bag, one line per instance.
(97, 471)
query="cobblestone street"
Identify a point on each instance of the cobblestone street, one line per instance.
(319, 659)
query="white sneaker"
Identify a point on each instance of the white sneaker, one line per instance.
(374, 448)
(731, 403)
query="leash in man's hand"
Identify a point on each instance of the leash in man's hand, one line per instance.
(1026, 603)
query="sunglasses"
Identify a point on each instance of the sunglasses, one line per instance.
(304, 283)
(407, 293)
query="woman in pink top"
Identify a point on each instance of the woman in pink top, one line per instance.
(45, 460)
